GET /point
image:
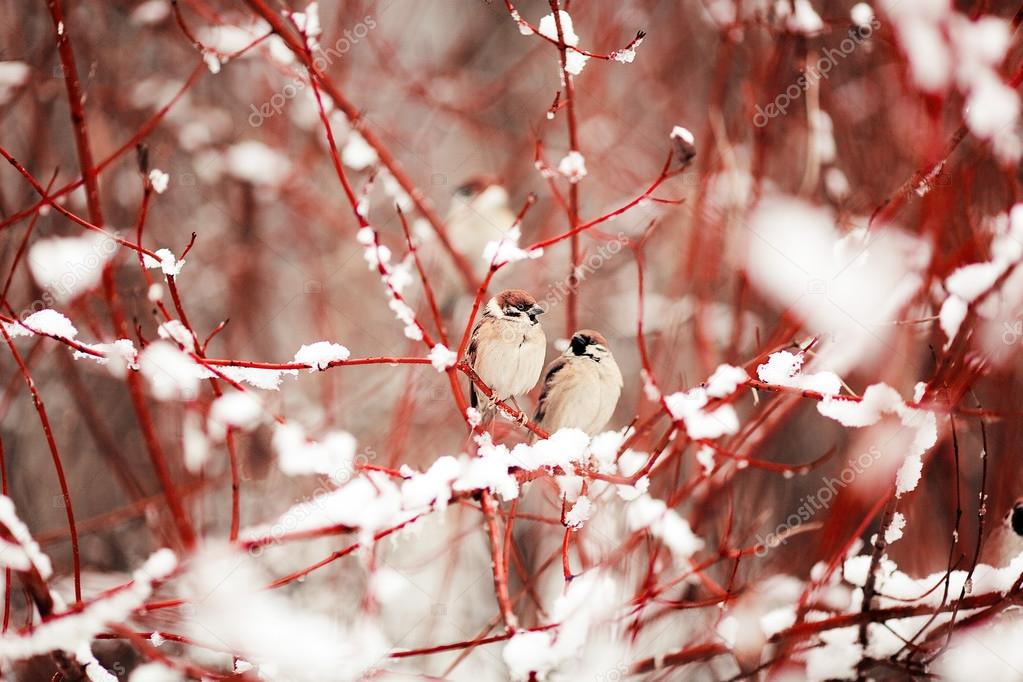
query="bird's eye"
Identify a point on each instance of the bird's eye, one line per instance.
(464, 191)
(512, 312)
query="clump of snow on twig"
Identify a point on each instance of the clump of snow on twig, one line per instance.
(442, 358)
(332, 456)
(506, 249)
(321, 354)
(881, 399)
(689, 407)
(159, 180)
(167, 262)
(234, 409)
(26, 551)
(572, 649)
(119, 356)
(783, 369)
(649, 513)
(171, 373)
(283, 640)
(725, 379)
(548, 27)
(47, 322)
(845, 288)
(74, 631)
(573, 166)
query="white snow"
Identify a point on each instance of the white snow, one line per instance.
(159, 180)
(168, 263)
(804, 20)
(357, 154)
(894, 531)
(991, 107)
(490, 472)
(688, 407)
(175, 330)
(861, 14)
(46, 321)
(800, 261)
(648, 513)
(118, 356)
(172, 374)
(580, 612)
(195, 445)
(950, 317)
(155, 672)
(705, 457)
(321, 354)
(573, 166)
(530, 652)
(266, 379)
(879, 400)
(254, 162)
(370, 503)
(284, 639)
(683, 134)
(332, 456)
(548, 27)
(627, 55)
(725, 379)
(579, 513)
(441, 357)
(506, 249)
(238, 409)
(604, 449)
(970, 281)
(992, 653)
(150, 12)
(12, 76)
(27, 548)
(74, 631)
(650, 390)
(308, 22)
(376, 255)
(67, 267)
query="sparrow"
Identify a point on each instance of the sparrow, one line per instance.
(1006, 540)
(507, 348)
(478, 214)
(580, 388)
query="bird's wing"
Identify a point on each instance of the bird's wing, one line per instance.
(548, 384)
(471, 354)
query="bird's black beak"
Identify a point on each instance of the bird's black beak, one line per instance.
(535, 312)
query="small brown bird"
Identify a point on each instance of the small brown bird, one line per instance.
(507, 348)
(1006, 540)
(581, 388)
(477, 215)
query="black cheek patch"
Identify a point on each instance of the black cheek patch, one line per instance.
(1017, 520)
(578, 345)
